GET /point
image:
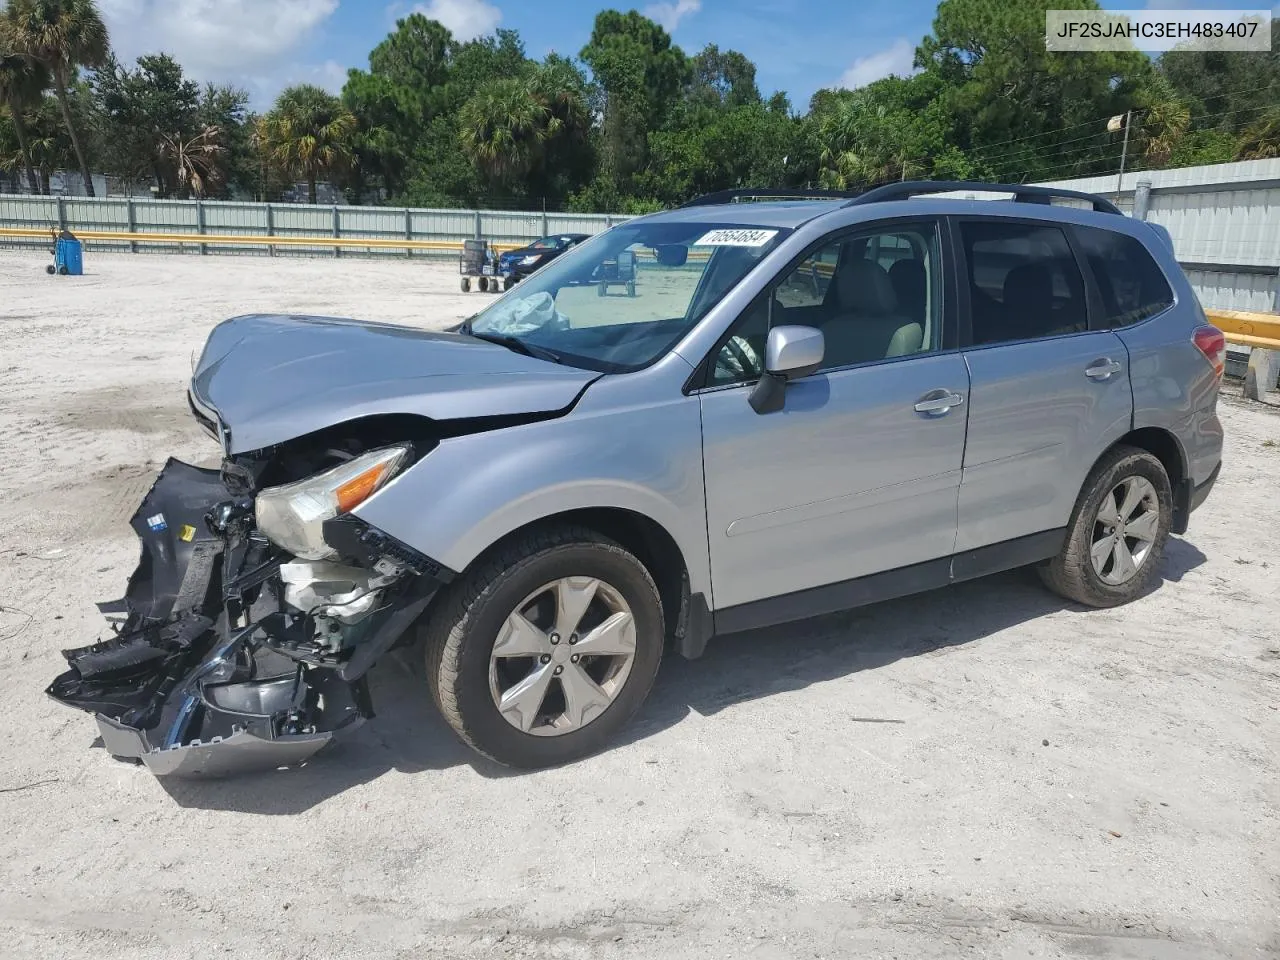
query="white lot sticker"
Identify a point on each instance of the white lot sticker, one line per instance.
(736, 238)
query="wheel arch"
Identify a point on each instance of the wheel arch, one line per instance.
(1165, 447)
(642, 536)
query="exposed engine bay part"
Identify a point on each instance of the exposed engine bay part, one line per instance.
(234, 656)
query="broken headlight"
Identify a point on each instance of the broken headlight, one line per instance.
(292, 516)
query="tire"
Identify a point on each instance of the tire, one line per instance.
(631, 288)
(483, 284)
(51, 269)
(602, 290)
(63, 271)
(463, 630)
(1072, 573)
(466, 284)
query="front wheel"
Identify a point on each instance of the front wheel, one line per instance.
(1118, 531)
(543, 652)
(466, 284)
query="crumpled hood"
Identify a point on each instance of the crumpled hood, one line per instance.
(270, 378)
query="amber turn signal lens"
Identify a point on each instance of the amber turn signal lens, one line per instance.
(358, 489)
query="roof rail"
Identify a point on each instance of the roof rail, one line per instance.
(767, 193)
(1022, 193)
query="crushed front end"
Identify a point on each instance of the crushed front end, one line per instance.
(256, 610)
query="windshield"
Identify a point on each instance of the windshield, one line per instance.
(546, 243)
(622, 299)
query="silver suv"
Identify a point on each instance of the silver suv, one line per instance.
(806, 405)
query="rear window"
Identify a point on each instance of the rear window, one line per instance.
(1131, 283)
(1023, 281)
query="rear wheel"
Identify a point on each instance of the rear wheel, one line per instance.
(539, 655)
(1118, 531)
(483, 283)
(466, 284)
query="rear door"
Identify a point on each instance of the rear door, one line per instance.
(1048, 392)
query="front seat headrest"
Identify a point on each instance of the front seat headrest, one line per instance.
(864, 287)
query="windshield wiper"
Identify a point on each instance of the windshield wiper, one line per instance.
(518, 345)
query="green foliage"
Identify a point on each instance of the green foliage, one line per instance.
(63, 35)
(310, 134)
(434, 121)
(638, 75)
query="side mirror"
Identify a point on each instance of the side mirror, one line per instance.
(671, 254)
(790, 353)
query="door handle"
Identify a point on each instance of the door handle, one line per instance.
(937, 403)
(1102, 369)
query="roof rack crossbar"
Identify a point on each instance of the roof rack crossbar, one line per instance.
(767, 193)
(1022, 193)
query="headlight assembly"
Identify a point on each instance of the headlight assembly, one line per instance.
(292, 515)
(530, 260)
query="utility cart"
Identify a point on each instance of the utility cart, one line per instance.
(479, 264)
(620, 272)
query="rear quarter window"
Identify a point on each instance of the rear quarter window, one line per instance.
(1132, 285)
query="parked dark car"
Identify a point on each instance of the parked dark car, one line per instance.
(515, 265)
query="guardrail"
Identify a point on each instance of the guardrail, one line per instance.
(1261, 333)
(1247, 328)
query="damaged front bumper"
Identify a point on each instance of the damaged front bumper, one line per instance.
(230, 656)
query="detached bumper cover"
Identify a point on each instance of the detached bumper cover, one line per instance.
(209, 674)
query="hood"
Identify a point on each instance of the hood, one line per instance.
(271, 378)
(524, 252)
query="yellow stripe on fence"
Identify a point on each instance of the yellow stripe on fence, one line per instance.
(252, 239)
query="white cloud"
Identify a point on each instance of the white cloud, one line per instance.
(896, 59)
(671, 12)
(245, 42)
(213, 39)
(466, 19)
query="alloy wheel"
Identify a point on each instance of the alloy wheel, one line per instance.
(1125, 530)
(562, 656)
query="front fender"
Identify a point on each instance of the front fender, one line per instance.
(471, 491)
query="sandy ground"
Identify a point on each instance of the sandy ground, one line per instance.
(984, 771)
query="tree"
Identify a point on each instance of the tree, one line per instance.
(310, 133)
(139, 111)
(1016, 110)
(22, 84)
(1261, 139)
(638, 73)
(723, 78)
(521, 133)
(226, 108)
(63, 35)
(197, 162)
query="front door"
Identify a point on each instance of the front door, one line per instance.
(859, 472)
(1048, 394)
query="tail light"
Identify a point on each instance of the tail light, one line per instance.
(1213, 345)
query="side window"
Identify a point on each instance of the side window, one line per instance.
(1023, 281)
(1132, 285)
(875, 295)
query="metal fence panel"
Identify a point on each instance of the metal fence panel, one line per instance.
(1229, 290)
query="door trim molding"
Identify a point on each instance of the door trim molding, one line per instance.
(890, 584)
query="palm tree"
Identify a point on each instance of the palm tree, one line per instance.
(1261, 139)
(198, 161)
(310, 133)
(503, 127)
(63, 35)
(22, 81)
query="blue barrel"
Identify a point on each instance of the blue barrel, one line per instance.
(68, 256)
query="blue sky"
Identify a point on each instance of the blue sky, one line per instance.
(798, 46)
